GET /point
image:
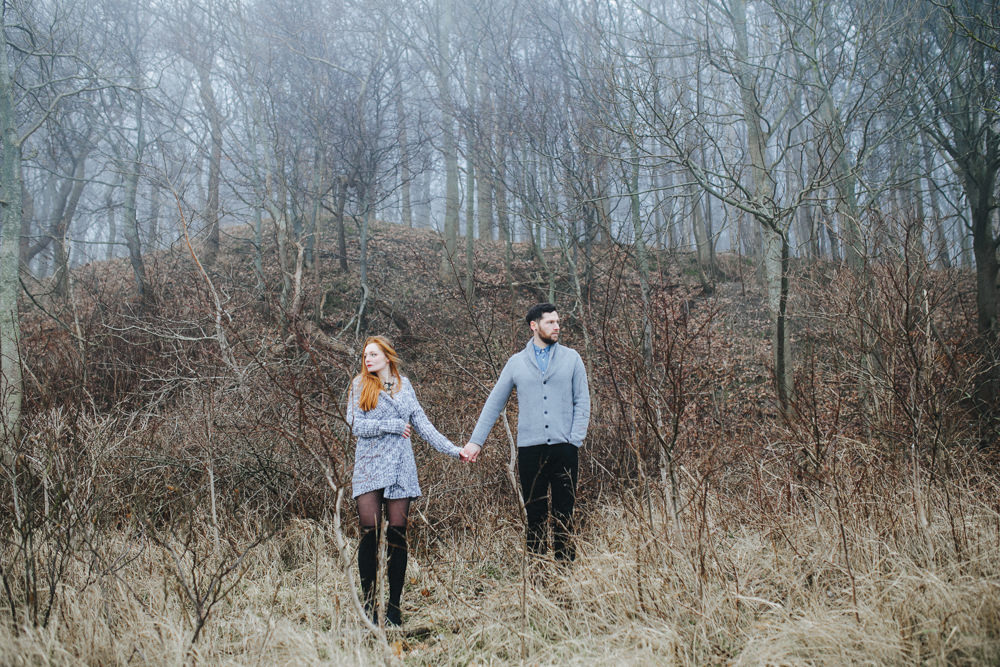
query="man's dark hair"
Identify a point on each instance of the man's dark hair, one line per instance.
(535, 312)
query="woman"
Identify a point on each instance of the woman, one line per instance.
(380, 410)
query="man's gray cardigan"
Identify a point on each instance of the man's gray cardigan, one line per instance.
(552, 407)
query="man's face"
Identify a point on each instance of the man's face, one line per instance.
(547, 328)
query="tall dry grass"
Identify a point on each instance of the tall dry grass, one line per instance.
(826, 579)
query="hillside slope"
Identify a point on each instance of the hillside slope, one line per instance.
(179, 496)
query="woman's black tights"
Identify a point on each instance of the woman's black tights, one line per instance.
(370, 516)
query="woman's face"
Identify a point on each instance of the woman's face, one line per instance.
(375, 359)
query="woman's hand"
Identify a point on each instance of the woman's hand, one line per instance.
(470, 453)
(406, 431)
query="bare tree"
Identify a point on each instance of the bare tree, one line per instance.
(49, 53)
(197, 34)
(956, 80)
(130, 27)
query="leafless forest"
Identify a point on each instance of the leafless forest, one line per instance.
(771, 228)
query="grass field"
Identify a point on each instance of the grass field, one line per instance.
(815, 583)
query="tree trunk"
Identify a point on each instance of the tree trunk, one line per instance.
(314, 236)
(424, 221)
(109, 206)
(484, 163)
(214, 162)
(30, 250)
(404, 156)
(11, 385)
(277, 205)
(700, 239)
(776, 255)
(341, 229)
(642, 260)
(451, 200)
(965, 244)
(804, 229)
(831, 232)
(131, 218)
(484, 203)
(601, 191)
(503, 215)
(940, 239)
(67, 209)
(470, 227)
(533, 210)
(27, 215)
(984, 247)
(706, 244)
(366, 216)
(449, 146)
(844, 182)
(775, 239)
(154, 215)
(915, 228)
(673, 240)
(702, 242)
(131, 232)
(658, 178)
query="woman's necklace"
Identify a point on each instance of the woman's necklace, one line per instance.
(389, 385)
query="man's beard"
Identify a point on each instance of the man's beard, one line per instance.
(546, 339)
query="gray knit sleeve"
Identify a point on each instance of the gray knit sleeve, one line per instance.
(495, 402)
(362, 427)
(581, 403)
(426, 429)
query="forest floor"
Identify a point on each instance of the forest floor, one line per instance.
(182, 497)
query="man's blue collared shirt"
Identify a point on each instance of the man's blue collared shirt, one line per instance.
(542, 356)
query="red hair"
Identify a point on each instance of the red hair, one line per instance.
(371, 385)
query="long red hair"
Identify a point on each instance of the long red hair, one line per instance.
(370, 384)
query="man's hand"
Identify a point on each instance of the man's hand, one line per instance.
(470, 453)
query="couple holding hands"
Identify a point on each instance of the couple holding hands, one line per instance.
(382, 410)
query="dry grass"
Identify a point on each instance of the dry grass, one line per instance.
(762, 590)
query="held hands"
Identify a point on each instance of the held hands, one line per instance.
(470, 453)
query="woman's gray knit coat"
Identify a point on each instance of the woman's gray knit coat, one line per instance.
(383, 459)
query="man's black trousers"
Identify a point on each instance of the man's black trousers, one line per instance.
(546, 469)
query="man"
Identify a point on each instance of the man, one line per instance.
(553, 413)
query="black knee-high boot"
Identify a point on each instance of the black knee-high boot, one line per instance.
(396, 546)
(368, 569)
